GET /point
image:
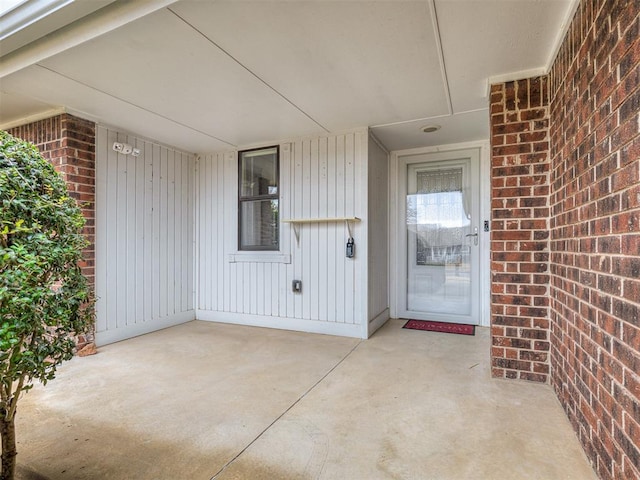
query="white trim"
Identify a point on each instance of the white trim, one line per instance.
(440, 148)
(361, 293)
(23, 14)
(562, 33)
(485, 246)
(396, 263)
(393, 234)
(195, 275)
(9, 6)
(378, 321)
(377, 142)
(543, 70)
(130, 331)
(513, 76)
(33, 118)
(282, 323)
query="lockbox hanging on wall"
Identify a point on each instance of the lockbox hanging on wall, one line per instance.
(351, 248)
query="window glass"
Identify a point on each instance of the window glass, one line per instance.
(259, 224)
(259, 173)
(258, 200)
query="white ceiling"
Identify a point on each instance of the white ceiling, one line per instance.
(214, 75)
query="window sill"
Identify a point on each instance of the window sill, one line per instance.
(258, 257)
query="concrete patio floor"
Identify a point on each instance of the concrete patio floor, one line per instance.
(205, 400)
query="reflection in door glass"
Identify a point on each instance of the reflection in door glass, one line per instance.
(438, 220)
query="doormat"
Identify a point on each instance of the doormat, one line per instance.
(443, 327)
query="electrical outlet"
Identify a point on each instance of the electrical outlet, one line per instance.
(296, 286)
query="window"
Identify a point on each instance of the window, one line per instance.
(258, 199)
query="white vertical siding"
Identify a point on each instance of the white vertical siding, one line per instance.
(319, 177)
(144, 241)
(378, 236)
(152, 209)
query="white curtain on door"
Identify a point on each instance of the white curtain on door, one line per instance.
(437, 214)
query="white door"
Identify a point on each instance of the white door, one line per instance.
(441, 236)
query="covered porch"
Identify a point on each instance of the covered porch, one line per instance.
(146, 106)
(206, 400)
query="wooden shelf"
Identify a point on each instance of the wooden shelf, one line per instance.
(322, 220)
(296, 222)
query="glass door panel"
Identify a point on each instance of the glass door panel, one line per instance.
(441, 242)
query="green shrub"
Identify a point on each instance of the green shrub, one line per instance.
(45, 300)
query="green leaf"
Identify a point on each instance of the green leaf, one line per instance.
(44, 299)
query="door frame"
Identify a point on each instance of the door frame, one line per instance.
(400, 159)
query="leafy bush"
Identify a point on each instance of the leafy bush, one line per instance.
(45, 300)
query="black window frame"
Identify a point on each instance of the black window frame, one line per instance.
(249, 198)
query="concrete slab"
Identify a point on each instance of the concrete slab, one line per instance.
(205, 400)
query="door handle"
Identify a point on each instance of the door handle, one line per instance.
(474, 235)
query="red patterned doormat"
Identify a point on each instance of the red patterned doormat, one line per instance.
(459, 328)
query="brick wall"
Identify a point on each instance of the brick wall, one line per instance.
(520, 235)
(68, 142)
(566, 232)
(595, 233)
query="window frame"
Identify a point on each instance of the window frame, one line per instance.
(244, 199)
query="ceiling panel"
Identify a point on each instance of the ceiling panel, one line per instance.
(463, 127)
(214, 75)
(488, 38)
(162, 65)
(14, 106)
(88, 103)
(346, 64)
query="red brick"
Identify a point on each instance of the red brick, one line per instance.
(68, 142)
(594, 193)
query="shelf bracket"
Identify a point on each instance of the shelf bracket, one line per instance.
(296, 232)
